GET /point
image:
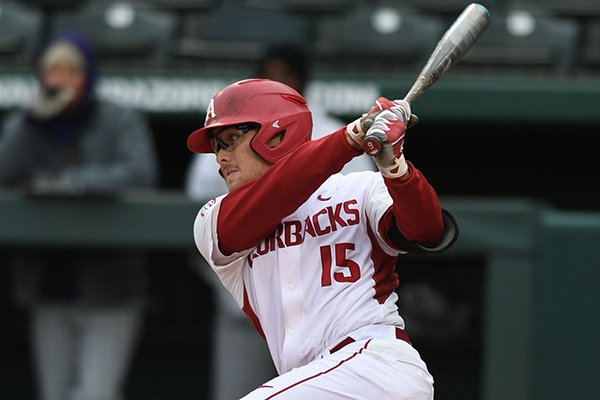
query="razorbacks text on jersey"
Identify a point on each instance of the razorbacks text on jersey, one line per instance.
(310, 276)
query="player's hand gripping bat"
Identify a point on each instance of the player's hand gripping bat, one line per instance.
(455, 43)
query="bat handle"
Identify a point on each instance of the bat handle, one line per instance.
(372, 144)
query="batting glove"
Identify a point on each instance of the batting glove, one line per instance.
(389, 127)
(357, 129)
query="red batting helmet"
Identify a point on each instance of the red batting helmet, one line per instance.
(274, 106)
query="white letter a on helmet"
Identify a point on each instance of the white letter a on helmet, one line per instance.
(210, 111)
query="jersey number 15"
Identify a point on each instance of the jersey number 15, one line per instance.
(352, 274)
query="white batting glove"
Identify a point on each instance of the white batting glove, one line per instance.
(389, 127)
(357, 129)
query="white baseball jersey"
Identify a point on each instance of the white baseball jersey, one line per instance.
(325, 272)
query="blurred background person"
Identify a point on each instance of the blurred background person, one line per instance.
(85, 305)
(234, 337)
(290, 64)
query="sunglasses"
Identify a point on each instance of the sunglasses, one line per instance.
(229, 136)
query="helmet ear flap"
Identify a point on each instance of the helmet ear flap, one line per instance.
(293, 130)
(276, 139)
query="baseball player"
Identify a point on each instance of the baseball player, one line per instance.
(309, 254)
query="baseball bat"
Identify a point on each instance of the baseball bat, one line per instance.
(453, 45)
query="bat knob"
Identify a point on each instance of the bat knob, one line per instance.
(372, 145)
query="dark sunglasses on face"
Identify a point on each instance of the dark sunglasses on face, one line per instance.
(228, 137)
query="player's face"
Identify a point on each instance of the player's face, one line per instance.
(239, 163)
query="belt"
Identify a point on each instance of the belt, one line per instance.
(400, 334)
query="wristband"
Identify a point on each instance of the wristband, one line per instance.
(396, 170)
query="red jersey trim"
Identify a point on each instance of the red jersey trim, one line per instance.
(384, 265)
(247, 309)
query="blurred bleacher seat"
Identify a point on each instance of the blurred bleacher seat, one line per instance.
(450, 8)
(381, 37)
(590, 57)
(525, 40)
(235, 36)
(182, 5)
(125, 34)
(356, 36)
(309, 6)
(567, 8)
(20, 34)
(55, 4)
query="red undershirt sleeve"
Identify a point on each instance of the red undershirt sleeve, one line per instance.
(416, 210)
(251, 212)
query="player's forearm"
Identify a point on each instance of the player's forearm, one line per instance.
(259, 206)
(416, 208)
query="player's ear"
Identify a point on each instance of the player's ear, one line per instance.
(276, 140)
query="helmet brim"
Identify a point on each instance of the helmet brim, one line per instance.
(198, 141)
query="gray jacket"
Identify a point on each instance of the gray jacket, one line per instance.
(113, 151)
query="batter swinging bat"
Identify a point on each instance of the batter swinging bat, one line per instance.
(455, 43)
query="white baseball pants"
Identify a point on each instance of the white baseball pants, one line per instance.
(366, 369)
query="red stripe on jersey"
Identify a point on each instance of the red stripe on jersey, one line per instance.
(247, 309)
(385, 277)
(320, 373)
